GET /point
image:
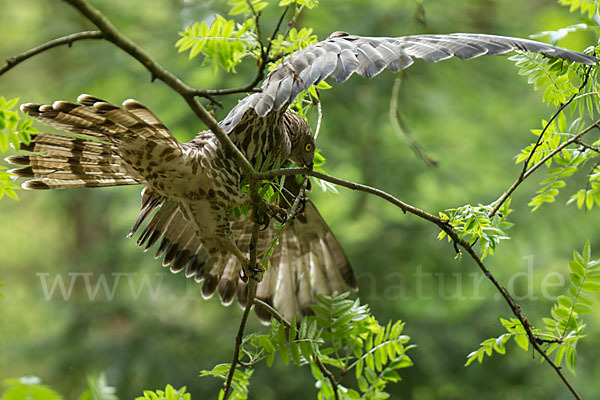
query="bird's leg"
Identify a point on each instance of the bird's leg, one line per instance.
(268, 210)
(260, 215)
(278, 213)
(248, 271)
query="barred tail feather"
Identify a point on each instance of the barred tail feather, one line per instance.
(307, 262)
(124, 135)
(61, 162)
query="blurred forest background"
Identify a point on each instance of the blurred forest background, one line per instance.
(474, 116)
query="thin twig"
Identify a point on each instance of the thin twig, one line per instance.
(275, 314)
(260, 74)
(294, 208)
(276, 30)
(328, 375)
(404, 134)
(525, 172)
(574, 139)
(517, 312)
(251, 287)
(240, 336)
(587, 146)
(65, 40)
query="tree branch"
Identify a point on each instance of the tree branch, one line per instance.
(252, 283)
(65, 40)
(524, 175)
(525, 172)
(328, 375)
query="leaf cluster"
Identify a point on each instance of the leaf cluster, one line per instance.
(227, 42)
(564, 328)
(342, 334)
(170, 393)
(588, 7)
(559, 141)
(565, 162)
(31, 388)
(224, 44)
(474, 224)
(14, 130)
(555, 77)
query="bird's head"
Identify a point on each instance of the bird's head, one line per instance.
(301, 138)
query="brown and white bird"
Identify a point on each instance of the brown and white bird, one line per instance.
(190, 188)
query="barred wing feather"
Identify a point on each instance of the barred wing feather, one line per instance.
(341, 55)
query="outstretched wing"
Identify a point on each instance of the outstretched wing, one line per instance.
(307, 261)
(342, 54)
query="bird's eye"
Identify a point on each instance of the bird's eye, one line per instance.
(308, 147)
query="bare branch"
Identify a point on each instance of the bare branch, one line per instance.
(587, 146)
(274, 313)
(65, 40)
(327, 374)
(516, 311)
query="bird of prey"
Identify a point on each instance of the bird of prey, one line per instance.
(191, 188)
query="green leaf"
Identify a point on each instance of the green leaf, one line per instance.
(582, 308)
(571, 359)
(98, 389)
(3, 142)
(577, 268)
(270, 358)
(559, 355)
(29, 388)
(565, 301)
(591, 286)
(283, 349)
(522, 341)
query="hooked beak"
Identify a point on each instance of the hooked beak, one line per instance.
(310, 165)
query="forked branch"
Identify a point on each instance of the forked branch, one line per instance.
(526, 171)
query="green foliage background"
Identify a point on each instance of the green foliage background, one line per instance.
(474, 116)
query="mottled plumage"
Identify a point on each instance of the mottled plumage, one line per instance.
(192, 187)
